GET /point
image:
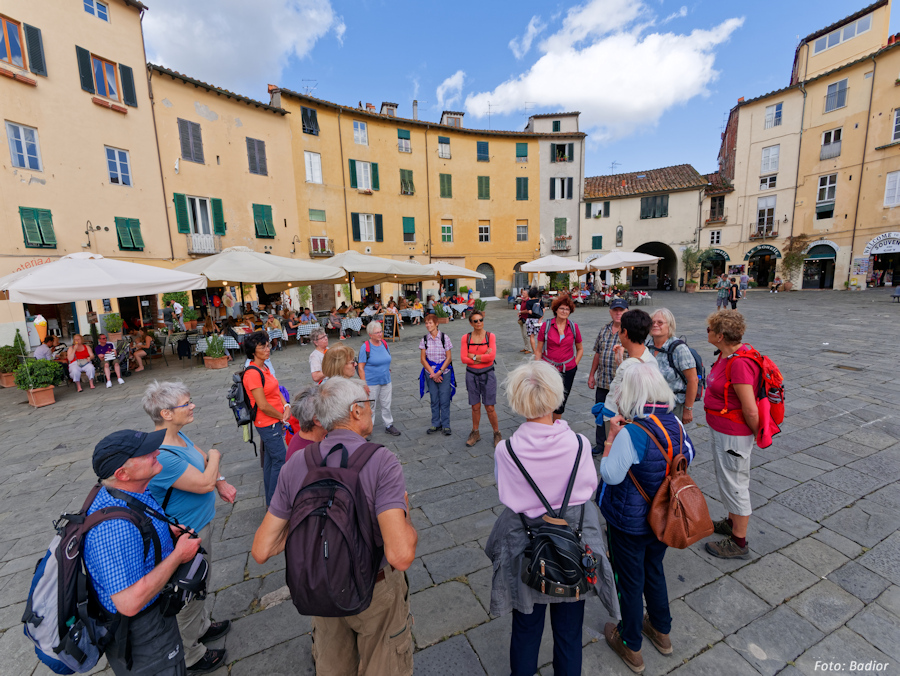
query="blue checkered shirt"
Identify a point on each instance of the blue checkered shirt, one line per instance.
(114, 550)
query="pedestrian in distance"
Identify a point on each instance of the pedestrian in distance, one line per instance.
(186, 487)
(722, 290)
(437, 375)
(559, 344)
(375, 371)
(634, 456)
(745, 284)
(478, 351)
(603, 367)
(178, 313)
(734, 293)
(675, 362)
(522, 308)
(535, 313)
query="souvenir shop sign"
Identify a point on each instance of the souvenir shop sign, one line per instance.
(762, 250)
(885, 243)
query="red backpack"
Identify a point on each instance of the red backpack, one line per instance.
(769, 396)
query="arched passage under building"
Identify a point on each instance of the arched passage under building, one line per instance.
(654, 276)
(520, 279)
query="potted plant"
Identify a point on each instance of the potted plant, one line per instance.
(9, 362)
(190, 317)
(440, 314)
(464, 289)
(504, 293)
(113, 321)
(792, 261)
(215, 357)
(38, 377)
(480, 305)
(692, 258)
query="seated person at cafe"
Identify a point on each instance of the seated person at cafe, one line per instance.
(404, 304)
(45, 350)
(104, 347)
(310, 317)
(143, 346)
(272, 324)
(343, 308)
(304, 318)
(250, 322)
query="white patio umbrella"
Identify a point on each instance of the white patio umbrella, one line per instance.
(554, 263)
(87, 276)
(622, 259)
(244, 265)
(367, 270)
(453, 271)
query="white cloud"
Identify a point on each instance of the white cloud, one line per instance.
(680, 14)
(340, 28)
(236, 44)
(520, 46)
(450, 90)
(605, 61)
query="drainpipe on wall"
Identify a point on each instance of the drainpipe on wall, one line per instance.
(346, 212)
(862, 167)
(799, 147)
(427, 184)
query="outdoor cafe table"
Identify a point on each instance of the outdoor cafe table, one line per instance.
(460, 308)
(306, 329)
(412, 314)
(354, 323)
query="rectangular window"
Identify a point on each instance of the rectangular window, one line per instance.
(484, 231)
(97, 8)
(848, 32)
(484, 187)
(310, 121)
(191, 141)
(256, 157)
(313, 167)
(522, 188)
(11, 42)
(403, 143)
(446, 231)
(600, 211)
(773, 116)
(521, 152)
(24, 148)
(360, 133)
(37, 227)
(717, 208)
(522, 231)
(765, 215)
(106, 81)
(896, 136)
(556, 125)
(409, 229)
(768, 182)
(118, 165)
(836, 96)
(199, 215)
(262, 220)
(446, 181)
(892, 189)
(596, 242)
(317, 215)
(833, 136)
(769, 163)
(827, 188)
(715, 237)
(562, 152)
(444, 147)
(559, 227)
(367, 227)
(655, 207)
(407, 187)
(561, 188)
(483, 152)
(364, 175)
(128, 232)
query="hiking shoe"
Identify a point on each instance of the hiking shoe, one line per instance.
(659, 640)
(474, 438)
(393, 431)
(498, 437)
(433, 430)
(727, 549)
(212, 660)
(447, 432)
(632, 659)
(722, 527)
(216, 631)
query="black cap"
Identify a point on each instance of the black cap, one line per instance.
(116, 449)
(618, 303)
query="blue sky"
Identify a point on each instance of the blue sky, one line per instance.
(654, 79)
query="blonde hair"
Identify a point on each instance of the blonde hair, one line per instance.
(534, 389)
(336, 359)
(669, 317)
(643, 384)
(730, 323)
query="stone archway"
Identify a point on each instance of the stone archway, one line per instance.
(520, 279)
(485, 287)
(668, 265)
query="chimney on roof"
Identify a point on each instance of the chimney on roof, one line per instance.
(741, 100)
(623, 182)
(272, 88)
(415, 109)
(370, 107)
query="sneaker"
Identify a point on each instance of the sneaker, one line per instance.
(212, 660)
(393, 431)
(722, 527)
(447, 432)
(498, 437)
(121, 382)
(342, 338)
(632, 659)
(108, 383)
(597, 450)
(216, 631)
(660, 641)
(727, 549)
(474, 438)
(433, 430)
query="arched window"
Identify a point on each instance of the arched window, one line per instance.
(619, 235)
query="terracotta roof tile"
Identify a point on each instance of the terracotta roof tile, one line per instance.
(667, 179)
(556, 114)
(212, 88)
(718, 184)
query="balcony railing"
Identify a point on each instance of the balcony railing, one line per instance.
(203, 244)
(717, 215)
(763, 232)
(830, 150)
(561, 243)
(836, 99)
(321, 247)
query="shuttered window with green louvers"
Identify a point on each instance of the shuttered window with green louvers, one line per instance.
(407, 187)
(218, 212)
(37, 228)
(181, 213)
(35, 44)
(446, 181)
(484, 187)
(128, 231)
(522, 188)
(409, 229)
(262, 220)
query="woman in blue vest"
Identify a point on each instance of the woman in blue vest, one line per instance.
(632, 453)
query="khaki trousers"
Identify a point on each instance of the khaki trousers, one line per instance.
(377, 642)
(193, 620)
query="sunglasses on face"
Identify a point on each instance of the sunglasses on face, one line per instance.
(477, 321)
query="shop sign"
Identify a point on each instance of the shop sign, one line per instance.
(27, 264)
(885, 243)
(762, 250)
(827, 242)
(91, 317)
(717, 254)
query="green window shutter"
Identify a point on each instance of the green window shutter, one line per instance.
(181, 213)
(45, 223)
(84, 69)
(559, 227)
(587, 209)
(483, 151)
(124, 234)
(484, 187)
(375, 183)
(258, 224)
(556, 125)
(606, 209)
(553, 152)
(444, 139)
(218, 216)
(570, 187)
(597, 242)
(521, 150)
(36, 62)
(379, 228)
(129, 94)
(317, 215)
(403, 133)
(134, 225)
(353, 183)
(262, 219)
(553, 188)
(412, 186)
(409, 225)
(267, 217)
(571, 153)
(354, 220)
(522, 188)
(446, 185)
(30, 227)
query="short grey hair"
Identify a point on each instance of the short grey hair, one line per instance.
(315, 334)
(303, 408)
(374, 327)
(160, 396)
(643, 384)
(669, 317)
(534, 389)
(336, 396)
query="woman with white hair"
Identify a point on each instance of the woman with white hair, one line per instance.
(675, 361)
(186, 488)
(375, 369)
(319, 338)
(552, 454)
(310, 431)
(635, 454)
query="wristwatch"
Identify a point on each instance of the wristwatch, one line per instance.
(688, 408)
(221, 478)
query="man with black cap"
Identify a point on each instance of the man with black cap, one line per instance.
(125, 579)
(603, 368)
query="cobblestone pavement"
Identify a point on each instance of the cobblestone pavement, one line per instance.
(823, 584)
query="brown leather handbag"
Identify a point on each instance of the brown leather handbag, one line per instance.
(678, 513)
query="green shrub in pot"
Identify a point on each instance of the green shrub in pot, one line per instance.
(36, 373)
(215, 347)
(9, 359)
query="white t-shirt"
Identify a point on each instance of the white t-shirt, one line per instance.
(616, 383)
(315, 361)
(178, 307)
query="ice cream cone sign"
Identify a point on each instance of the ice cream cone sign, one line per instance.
(40, 325)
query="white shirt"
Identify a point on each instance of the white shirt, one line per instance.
(616, 384)
(178, 307)
(43, 352)
(315, 361)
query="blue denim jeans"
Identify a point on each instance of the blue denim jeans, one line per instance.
(440, 401)
(566, 619)
(273, 450)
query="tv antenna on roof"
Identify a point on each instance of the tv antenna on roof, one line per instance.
(613, 165)
(309, 89)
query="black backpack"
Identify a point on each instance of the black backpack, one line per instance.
(701, 370)
(239, 400)
(441, 334)
(331, 552)
(557, 563)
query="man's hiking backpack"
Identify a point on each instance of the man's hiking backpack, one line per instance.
(557, 562)
(698, 360)
(331, 551)
(769, 395)
(68, 626)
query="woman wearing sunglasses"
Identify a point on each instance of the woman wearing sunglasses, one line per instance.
(479, 348)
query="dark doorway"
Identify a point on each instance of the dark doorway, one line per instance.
(668, 264)
(485, 286)
(761, 269)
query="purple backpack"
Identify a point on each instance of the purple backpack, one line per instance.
(331, 551)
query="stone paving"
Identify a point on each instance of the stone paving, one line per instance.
(823, 584)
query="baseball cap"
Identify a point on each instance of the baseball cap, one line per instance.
(618, 303)
(115, 449)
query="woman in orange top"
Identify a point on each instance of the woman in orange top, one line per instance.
(479, 349)
(80, 356)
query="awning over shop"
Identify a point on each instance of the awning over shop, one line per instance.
(820, 251)
(762, 250)
(717, 255)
